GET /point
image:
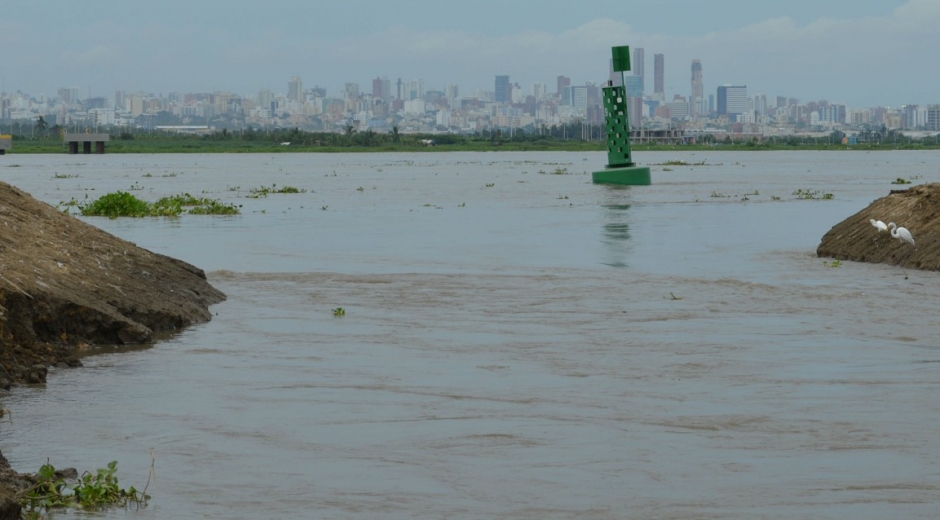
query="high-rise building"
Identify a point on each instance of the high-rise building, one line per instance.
(659, 69)
(638, 64)
(932, 120)
(295, 89)
(503, 90)
(538, 90)
(634, 86)
(382, 89)
(732, 100)
(698, 89)
(265, 98)
(414, 89)
(563, 82)
(451, 92)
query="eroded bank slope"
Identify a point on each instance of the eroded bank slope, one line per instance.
(917, 209)
(66, 285)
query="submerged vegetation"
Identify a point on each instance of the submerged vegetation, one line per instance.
(124, 204)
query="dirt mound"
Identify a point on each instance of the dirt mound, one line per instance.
(917, 209)
(66, 285)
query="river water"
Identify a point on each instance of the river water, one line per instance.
(518, 342)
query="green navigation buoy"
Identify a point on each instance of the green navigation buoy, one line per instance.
(620, 167)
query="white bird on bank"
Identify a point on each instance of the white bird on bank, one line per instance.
(879, 224)
(901, 233)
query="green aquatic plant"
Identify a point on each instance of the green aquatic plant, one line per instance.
(264, 191)
(92, 491)
(835, 263)
(900, 180)
(812, 195)
(339, 311)
(676, 162)
(114, 205)
(123, 204)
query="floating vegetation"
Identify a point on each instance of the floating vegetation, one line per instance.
(676, 162)
(339, 311)
(812, 195)
(557, 171)
(92, 491)
(64, 176)
(264, 191)
(835, 263)
(490, 184)
(900, 180)
(774, 197)
(123, 204)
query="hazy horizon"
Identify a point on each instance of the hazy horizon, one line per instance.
(859, 52)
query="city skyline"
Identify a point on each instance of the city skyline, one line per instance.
(862, 53)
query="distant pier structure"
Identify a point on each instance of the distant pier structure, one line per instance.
(6, 142)
(86, 140)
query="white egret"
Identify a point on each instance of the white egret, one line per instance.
(879, 224)
(901, 233)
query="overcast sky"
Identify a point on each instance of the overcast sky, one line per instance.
(860, 52)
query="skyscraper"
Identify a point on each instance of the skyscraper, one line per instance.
(659, 66)
(385, 89)
(698, 89)
(732, 100)
(503, 90)
(563, 81)
(638, 69)
(295, 89)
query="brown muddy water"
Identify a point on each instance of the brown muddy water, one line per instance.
(518, 343)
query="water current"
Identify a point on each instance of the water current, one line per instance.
(518, 342)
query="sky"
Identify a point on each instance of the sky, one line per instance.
(862, 53)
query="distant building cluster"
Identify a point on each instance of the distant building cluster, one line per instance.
(410, 107)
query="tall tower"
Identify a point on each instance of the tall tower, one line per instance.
(638, 70)
(698, 90)
(503, 90)
(295, 89)
(659, 67)
(563, 81)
